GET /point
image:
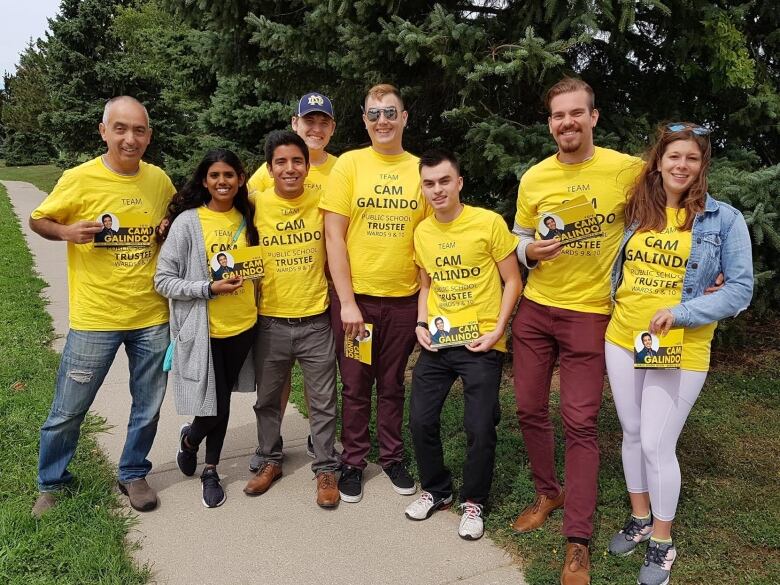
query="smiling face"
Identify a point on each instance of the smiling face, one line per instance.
(647, 341)
(222, 259)
(439, 324)
(550, 223)
(386, 135)
(316, 129)
(126, 133)
(680, 166)
(108, 222)
(289, 170)
(222, 182)
(571, 124)
(441, 186)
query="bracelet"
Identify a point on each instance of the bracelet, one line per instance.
(422, 324)
(211, 291)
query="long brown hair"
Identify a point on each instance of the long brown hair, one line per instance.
(647, 199)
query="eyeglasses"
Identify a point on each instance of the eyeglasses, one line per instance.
(679, 127)
(373, 114)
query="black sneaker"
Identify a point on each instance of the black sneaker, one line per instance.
(400, 478)
(309, 447)
(351, 484)
(213, 494)
(186, 457)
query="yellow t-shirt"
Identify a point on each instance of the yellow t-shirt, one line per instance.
(578, 279)
(230, 314)
(461, 257)
(653, 274)
(293, 240)
(316, 180)
(111, 289)
(381, 196)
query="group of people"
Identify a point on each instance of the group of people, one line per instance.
(381, 237)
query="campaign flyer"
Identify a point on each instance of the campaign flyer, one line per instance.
(242, 262)
(133, 230)
(570, 222)
(653, 352)
(359, 348)
(454, 328)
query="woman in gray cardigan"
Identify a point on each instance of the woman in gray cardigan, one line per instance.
(212, 323)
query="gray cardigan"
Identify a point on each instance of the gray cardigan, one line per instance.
(182, 277)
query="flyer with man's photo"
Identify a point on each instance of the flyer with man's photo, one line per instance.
(570, 222)
(246, 263)
(654, 352)
(453, 328)
(126, 230)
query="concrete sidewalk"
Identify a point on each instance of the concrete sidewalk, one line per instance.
(281, 537)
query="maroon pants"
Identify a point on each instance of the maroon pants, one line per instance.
(539, 335)
(394, 320)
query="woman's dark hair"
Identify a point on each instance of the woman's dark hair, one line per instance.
(647, 200)
(194, 194)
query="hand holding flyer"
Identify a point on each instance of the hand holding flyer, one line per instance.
(570, 222)
(654, 352)
(456, 328)
(240, 263)
(132, 230)
(359, 348)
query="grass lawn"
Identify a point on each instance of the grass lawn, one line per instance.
(728, 523)
(42, 176)
(81, 541)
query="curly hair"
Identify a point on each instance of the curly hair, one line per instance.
(647, 200)
(194, 194)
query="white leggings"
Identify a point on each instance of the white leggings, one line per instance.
(652, 406)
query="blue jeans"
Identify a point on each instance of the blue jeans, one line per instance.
(86, 359)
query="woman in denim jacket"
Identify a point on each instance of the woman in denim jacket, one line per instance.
(679, 240)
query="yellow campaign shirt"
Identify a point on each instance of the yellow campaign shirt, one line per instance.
(578, 279)
(653, 274)
(316, 180)
(381, 196)
(230, 314)
(461, 259)
(293, 239)
(111, 289)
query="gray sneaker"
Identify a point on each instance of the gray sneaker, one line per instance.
(45, 502)
(658, 564)
(629, 537)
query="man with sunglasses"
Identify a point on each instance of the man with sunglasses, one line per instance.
(372, 204)
(563, 315)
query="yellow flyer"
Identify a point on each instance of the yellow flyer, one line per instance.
(570, 222)
(244, 262)
(454, 328)
(359, 348)
(653, 352)
(124, 230)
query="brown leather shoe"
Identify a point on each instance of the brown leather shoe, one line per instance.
(534, 515)
(327, 490)
(45, 502)
(142, 497)
(576, 568)
(262, 480)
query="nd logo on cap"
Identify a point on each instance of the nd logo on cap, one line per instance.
(316, 100)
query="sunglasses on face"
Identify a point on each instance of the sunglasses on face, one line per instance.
(679, 127)
(373, 114)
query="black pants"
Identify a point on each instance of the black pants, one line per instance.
(228, 355)
(432, 380)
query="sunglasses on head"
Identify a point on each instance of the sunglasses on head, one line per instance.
(679, 127)
(373, 114)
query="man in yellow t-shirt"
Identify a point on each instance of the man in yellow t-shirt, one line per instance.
(294, 322)
(111, 296)
(372, 205)
(315, 122)
(564, 313)
(463, 253)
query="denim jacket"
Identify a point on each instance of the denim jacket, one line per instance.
(720, 243)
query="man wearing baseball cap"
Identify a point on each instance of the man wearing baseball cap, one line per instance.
(315, 122)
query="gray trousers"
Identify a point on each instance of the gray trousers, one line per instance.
(280, 342)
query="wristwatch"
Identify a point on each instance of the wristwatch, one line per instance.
(422, 324)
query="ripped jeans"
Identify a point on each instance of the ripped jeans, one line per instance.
(86, 359)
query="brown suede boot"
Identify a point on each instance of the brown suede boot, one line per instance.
(576, 568)
(262, 480)
(142, 497)
(327, 490)
(535, 515)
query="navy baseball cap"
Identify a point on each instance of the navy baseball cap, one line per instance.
(315, 102)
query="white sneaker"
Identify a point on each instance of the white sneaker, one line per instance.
(424, 506)
(471, 525)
